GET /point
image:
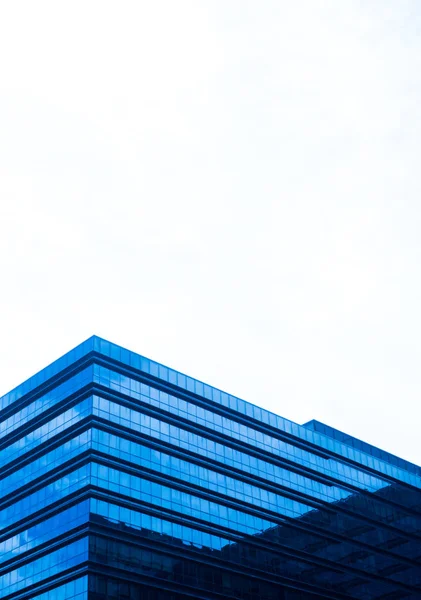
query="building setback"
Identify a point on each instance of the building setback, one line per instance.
(123, 479)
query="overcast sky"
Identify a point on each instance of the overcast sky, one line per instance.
(232, 188)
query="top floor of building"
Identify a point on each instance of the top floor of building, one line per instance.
(102, 360)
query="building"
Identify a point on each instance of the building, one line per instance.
(123, 479)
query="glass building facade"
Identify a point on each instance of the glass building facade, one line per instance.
(123, 479)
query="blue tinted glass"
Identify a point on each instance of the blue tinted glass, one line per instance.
(303, 432)
(46, 432)
(289, 451)
(49, 399)
(73, 590)
(47, 566)
(173, 499)
(70, 449)
(47, 373)
(44, 496)
(196, 487)
(137, 520)
(44, 531)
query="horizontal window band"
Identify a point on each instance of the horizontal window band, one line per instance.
(48, 445)
(49, 583)
(122, 501)
(223, 411)
(126, 433)
(239, 505)
(252, 450)
(53, 411)
(194, 592)
(120, 464)
(156, 443)
(306, 447)
(93, 456)
(45, 479)
(48, 511)
(44, 549)
(322, 534)
(218, 529)
(197, 428)
(61, 377)
(189, 396)
(109, 532)
(94, 357)
(265, 484)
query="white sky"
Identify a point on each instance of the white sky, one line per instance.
(229, 187)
